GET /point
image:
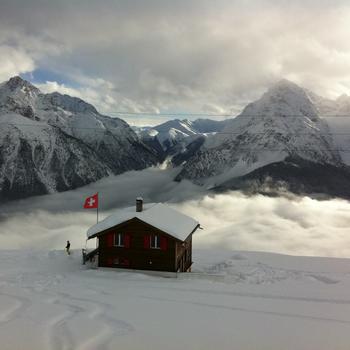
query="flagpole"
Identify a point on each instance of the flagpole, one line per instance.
(98, 203)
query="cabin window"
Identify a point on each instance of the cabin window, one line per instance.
(155, 242)
(119, 240)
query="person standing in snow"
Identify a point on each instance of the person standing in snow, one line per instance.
(68, 247)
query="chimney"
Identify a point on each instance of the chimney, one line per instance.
(139, 204)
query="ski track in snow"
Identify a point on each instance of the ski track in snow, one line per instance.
(240, 309)
(259, 296)
(59, 331)
(73, 308)
(96, 311)
(20, 305)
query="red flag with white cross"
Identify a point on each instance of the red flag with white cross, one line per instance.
(91, 202)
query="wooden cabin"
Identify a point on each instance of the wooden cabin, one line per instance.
(146, 237)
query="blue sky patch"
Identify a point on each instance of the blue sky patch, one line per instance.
(41, 76)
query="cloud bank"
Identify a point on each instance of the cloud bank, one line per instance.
(162, 55)
(297, 226)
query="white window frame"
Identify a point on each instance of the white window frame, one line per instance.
(119, 240)
(156, 242)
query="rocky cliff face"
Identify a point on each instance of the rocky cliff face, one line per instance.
(282, 125)
(54, 142)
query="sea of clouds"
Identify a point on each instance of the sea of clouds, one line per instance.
(232, 220)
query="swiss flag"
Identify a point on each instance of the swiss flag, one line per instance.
(91, 202)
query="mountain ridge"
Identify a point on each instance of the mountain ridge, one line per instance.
(54, 142)
(284, 123)
(75, 144)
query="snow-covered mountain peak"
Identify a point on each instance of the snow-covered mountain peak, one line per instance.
(68, 103)
(54, 142)
(283, 99)
(282, 124)
(16, 83)
(19, 96)
(18, 86)
(184, 126)
(19, 89)
(283, 109)
(343, 104)
(330, 108)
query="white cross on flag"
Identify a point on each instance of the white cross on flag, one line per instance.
(91, 202)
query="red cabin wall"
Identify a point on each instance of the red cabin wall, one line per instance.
(137, 254)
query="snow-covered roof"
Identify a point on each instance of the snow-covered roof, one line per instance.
(158, 215)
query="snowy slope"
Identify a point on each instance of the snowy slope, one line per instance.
(234, 300)
(36, 160)
(326, 107)
(337, 114)
(19, 96)
(282, 125)
(174, 135)
(54, 142)
(170, 133)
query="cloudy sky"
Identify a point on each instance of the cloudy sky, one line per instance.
(189, 56)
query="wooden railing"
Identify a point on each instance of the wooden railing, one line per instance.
(88, 255)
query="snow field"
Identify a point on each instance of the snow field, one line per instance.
(48, 300)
